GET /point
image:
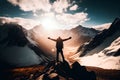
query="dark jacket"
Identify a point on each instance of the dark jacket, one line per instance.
(59, 42)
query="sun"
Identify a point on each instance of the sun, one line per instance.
(49, 23)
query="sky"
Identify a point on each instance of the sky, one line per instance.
(62, 13)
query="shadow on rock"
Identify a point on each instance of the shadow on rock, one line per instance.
(79, 72)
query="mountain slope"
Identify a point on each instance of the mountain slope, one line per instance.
(102, 40)
(113, 49)
(84, 31)
(83, 34)
(16, 49)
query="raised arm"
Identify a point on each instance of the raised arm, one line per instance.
(67, 39)
(52, 39)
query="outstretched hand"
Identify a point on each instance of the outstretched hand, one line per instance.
(48, 37)
(70, 37)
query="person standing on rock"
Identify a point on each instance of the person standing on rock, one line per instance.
(59, 46)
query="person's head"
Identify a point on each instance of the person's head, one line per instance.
(59, 37)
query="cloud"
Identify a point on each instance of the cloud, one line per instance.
(102, 26)
(32, 5)
(74, 7)
(60, 6)
(44, 5)
(59, 9)
(25, 23)
(65, 20)
(72, 20)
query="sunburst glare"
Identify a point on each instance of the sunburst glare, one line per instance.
(50, 23)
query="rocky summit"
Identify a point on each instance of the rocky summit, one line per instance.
(63, 71)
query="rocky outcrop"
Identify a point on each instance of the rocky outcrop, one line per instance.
(62, 71)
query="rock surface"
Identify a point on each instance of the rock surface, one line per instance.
(62, 71)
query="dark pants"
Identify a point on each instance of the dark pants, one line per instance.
(60, 51)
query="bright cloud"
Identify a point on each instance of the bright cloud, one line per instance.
(60, 6)
(74, 7)
(32, 5)
(72, 19)
(58, 10)
(26, 23)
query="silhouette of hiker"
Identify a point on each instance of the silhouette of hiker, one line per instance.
(59, 46)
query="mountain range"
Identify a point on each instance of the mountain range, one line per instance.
(33, 43)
